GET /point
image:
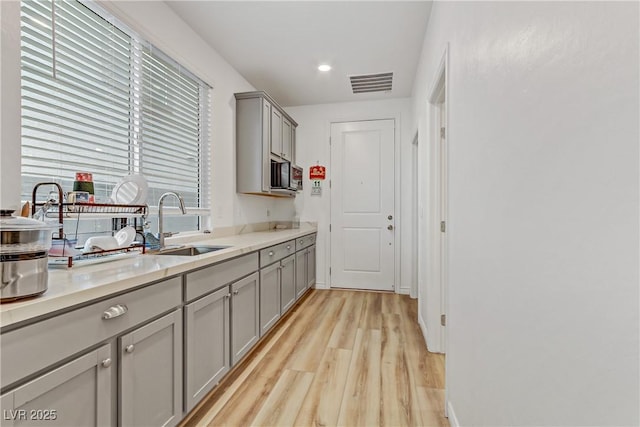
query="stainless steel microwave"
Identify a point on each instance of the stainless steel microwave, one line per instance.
(286, 176)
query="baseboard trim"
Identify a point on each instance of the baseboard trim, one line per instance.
(403, 291)
(320, 285)
(423, 328)
(453, 420)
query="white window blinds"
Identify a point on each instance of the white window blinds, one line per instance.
(98, 98)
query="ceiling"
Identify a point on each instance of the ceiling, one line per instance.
(278, 45)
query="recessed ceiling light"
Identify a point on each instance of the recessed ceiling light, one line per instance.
(324, 67)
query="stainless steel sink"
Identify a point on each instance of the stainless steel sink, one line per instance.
(191, 250)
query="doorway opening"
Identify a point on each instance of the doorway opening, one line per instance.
(438, 214)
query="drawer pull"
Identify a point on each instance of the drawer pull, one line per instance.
(129, 348)
(115, 311)
(288, 247)
(106, 363)
(270, 253)
(236, 292)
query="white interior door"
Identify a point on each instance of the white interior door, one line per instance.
(362, 205)
(443, 202)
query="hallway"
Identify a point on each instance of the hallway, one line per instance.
(341, 358)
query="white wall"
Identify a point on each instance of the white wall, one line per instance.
(312, 145)
(544, 195)
(157, 22)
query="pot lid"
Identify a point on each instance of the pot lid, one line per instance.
(9, 222)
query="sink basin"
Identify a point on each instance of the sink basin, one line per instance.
(191, 250)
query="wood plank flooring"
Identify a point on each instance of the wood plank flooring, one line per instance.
(341, 358)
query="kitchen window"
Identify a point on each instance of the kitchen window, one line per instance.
(98, 98)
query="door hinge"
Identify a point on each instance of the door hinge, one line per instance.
(443, 226)
(443, 319)
(329, 228)
(329, 183)
(329, 271)
(443, 132)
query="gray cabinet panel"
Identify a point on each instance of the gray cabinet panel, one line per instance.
(211, 278)
(277, 252)
(286, 140)
(207, 344)
(151, 373)
(311, 266)
(276, 132)
(301, 273)
(75, 394)
(245, 316)
(30, 349)
(287, 283)
(269, 297)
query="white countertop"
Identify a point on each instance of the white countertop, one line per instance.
(78, 285)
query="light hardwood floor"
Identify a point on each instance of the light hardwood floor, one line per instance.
(341, 358)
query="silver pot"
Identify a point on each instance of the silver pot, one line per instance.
(23, 256)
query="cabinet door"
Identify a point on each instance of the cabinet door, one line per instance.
(287, 283)
(75, 394)
(265, 146)
(151, 373)
(286, 140)
(311, 266)
(269, 297)
(207, 344)
(245, 316)
(276, 132)
(293, 144)
(301, 273)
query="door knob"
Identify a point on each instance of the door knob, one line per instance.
(129, 348)
(390, 227)
(106, 363)
(390, 217)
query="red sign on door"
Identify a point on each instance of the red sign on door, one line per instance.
(317, 173)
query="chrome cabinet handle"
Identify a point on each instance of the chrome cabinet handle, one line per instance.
(236, 292)
(106, 363)
(270, 253)
(129, 348)
(288, 247)
(115, 311)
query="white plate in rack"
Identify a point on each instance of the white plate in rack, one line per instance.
(132, 190)
(125, 237)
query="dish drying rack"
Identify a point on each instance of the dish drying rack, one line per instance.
(73, 210)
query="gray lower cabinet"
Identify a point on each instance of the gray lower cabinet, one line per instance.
(245, 316)
(287, 283)
(311, 266)
(77, 393)
(150, 383)
(207, 344)
(301, 273)
(269, 297)
(305, 270)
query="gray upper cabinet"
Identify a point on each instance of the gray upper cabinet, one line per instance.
(264, 132)
(287, 140)
(276, 132)
(245, 316)
(207, 344)
(151, 373)
(77, 393)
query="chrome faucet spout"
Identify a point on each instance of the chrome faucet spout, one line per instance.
(161, 233)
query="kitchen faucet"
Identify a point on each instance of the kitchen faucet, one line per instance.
(161, 234)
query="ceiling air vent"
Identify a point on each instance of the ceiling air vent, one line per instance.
(371, 82)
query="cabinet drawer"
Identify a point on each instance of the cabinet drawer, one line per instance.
(305, 241)
(211, 278)
(276, 253)
(34, 347)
